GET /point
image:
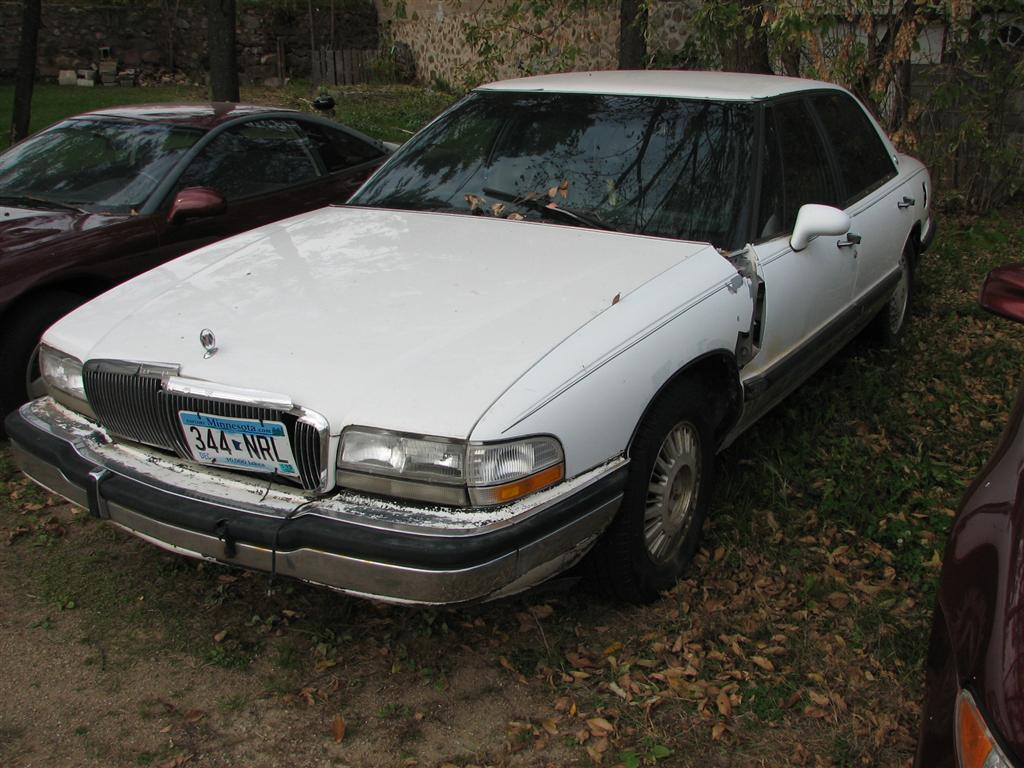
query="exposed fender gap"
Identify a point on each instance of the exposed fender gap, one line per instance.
(748, 342)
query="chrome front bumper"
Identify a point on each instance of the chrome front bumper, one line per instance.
(359, 544)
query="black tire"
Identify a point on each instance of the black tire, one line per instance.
(886, 329)
(19, 342)
(654, 536)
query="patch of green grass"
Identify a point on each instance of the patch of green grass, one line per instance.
(766, 701)
(233, 703)
(394, 711)
(390, 113)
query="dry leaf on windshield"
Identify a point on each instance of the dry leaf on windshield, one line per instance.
(474, 201)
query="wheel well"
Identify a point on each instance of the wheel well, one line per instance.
(85, 286)
(915, 240)
(720, 377)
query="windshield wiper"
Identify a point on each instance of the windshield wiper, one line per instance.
(34, 201)
(586, 218)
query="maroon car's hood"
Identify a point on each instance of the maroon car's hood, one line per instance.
(21, 227)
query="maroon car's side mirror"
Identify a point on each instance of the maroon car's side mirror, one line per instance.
(1003, 292)
(196, 203)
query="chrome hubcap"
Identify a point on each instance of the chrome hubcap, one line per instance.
(898, 302)
(33, 377)
(672, 491)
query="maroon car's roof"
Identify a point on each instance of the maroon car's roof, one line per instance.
(198, 115)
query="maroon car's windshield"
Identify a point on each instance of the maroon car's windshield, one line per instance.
(93, 164)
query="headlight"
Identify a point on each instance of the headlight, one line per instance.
(975, 746)
(447, 471)
(62, 375)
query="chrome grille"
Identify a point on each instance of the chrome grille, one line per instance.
(126, 406)
(130, 402)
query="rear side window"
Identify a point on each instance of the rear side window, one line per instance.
(340, 150)
(864, 162)
(796, 169)
(253, 158)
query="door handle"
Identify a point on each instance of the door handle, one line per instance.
(906, 202)
(850, 241)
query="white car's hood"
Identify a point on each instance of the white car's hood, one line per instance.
(406, 321)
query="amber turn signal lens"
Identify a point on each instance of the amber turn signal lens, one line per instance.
(500, 494)
(975, 746)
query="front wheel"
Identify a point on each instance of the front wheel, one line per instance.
(657, 529)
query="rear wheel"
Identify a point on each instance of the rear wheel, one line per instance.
(657, 529)
(19, 350)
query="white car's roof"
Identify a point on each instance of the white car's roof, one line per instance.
(719, 86)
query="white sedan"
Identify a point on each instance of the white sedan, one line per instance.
(519, 346)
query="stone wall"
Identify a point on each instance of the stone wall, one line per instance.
(434, 31)
(140, 36)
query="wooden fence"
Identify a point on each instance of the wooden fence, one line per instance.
(345, 67)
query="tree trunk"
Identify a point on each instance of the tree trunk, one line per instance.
(748, 50)
(632, 34)
(223, 57)
(31, 18)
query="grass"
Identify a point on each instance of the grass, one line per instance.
(386, 112)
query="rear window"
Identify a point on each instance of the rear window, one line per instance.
(864, 162)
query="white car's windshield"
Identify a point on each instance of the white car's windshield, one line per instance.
(92, 164)
(645, 165)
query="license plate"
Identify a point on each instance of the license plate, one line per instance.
(249, 444)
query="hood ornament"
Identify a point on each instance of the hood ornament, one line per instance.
(209, 342)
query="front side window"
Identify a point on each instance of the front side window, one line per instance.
(97, 164)
(796, 171)
(864, 162)
(253, 158)
(644, 165)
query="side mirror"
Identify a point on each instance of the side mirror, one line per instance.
(813, 220)
(1003, 292)
(196, 203)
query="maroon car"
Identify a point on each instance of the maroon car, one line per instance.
(974, 691)
(99, 198)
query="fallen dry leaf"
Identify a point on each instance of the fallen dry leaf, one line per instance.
(599, 726)
(338, 729)
(763, 663)
(724, 705)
